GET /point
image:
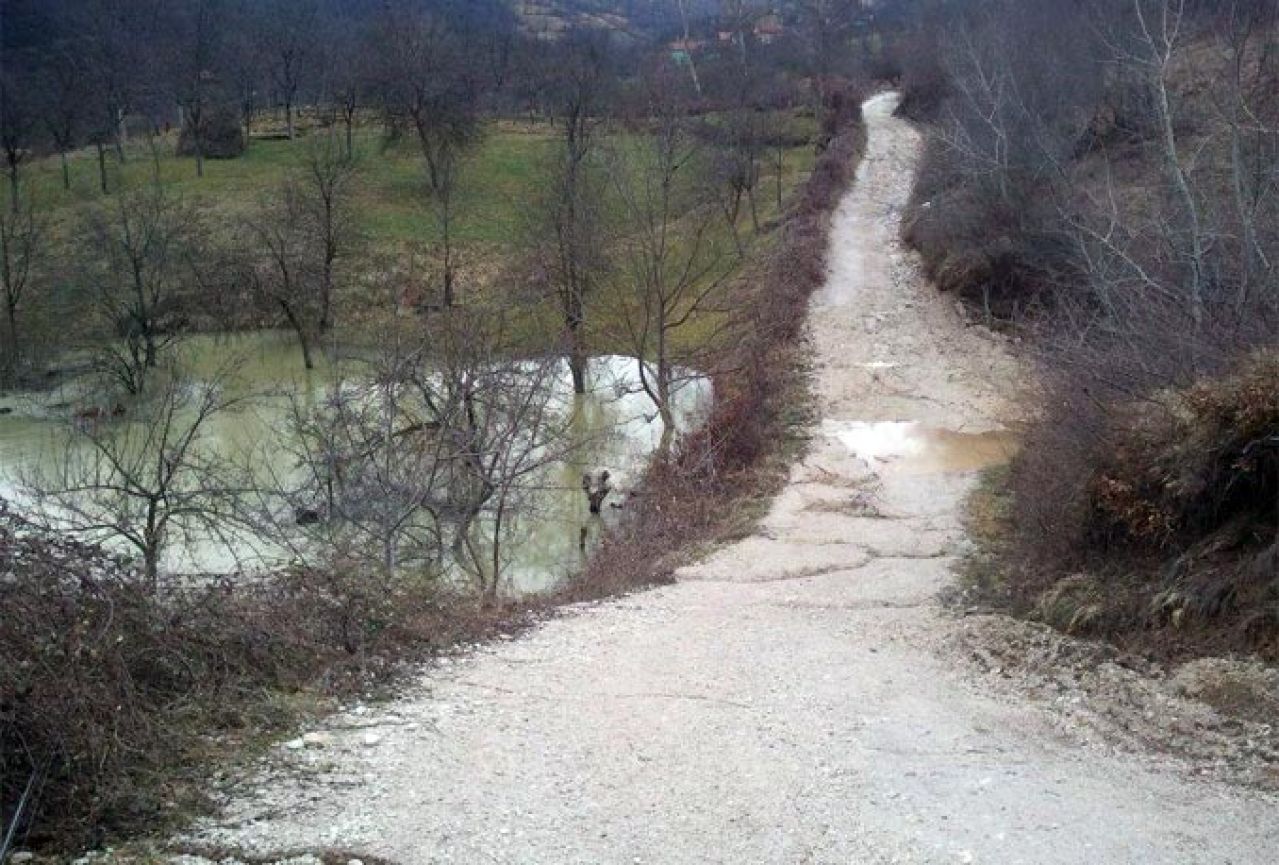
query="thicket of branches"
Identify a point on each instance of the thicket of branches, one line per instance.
(1106, 174)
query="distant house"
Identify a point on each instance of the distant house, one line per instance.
(682, 50)
(769, 29)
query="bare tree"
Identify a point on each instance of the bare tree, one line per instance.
(196, 58)
(570, 243)
(115, 31)
(303, 233)
(18, 118)
(1160, 25)
(141, 254)
(673, 262)
(427, 85)
(22, 246)
(422, 460)
(146, 482)
(63, 107)
(347, 76)
(289, 42)
(1249, 30)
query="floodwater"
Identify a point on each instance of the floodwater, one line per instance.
(613, 427)
(912, 448)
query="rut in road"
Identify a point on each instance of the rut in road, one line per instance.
(790, 699)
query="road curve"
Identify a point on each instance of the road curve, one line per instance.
(791, 699)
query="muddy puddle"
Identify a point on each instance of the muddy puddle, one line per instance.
(911, 447)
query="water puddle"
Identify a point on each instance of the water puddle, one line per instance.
(911, 447)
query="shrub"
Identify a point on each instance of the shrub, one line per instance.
(1170, 502)
(113, 698)
(1192, 461)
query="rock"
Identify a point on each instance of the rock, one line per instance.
(355, 862)
(305, 859)
(369, 740)
(295, 744)
(22, 856)
(317, 740)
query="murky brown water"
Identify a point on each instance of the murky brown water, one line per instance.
(909, 447)
(613, 427)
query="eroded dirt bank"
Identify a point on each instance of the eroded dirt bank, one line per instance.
(795, 698)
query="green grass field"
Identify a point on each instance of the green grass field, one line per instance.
(496, 204)
(500, 181)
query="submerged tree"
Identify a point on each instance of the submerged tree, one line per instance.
(569, 243)
(422, 459)
(673, 258)
(148, 481)
(142, 255)
(428, 86)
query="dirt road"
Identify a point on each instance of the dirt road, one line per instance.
(793, 699)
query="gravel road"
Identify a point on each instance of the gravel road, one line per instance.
(795, 698)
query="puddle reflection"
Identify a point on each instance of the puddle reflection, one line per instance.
(912, 447)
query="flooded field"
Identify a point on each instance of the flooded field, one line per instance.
(614, 427)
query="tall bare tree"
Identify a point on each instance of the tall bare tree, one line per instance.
(303, 233)
(674, 264)
(22, 246)
(428, 84)
(140, 258)
(289, 42)
(570, 244)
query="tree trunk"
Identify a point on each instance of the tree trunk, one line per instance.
(12, 355)
(66, 170)
(154, 144)
(304, 341)
(350, 137)
(152, 542)
(102, 168)
(446, 218)
(577, 364)
(288, 118)
(13, 187)
(121, 136)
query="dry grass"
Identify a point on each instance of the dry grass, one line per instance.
(1153, 522)
(114, 699)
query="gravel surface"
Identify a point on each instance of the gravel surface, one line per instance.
(797, 697)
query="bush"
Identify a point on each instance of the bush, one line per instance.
(113, 698)
(1170, 503)
(1191, 462)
